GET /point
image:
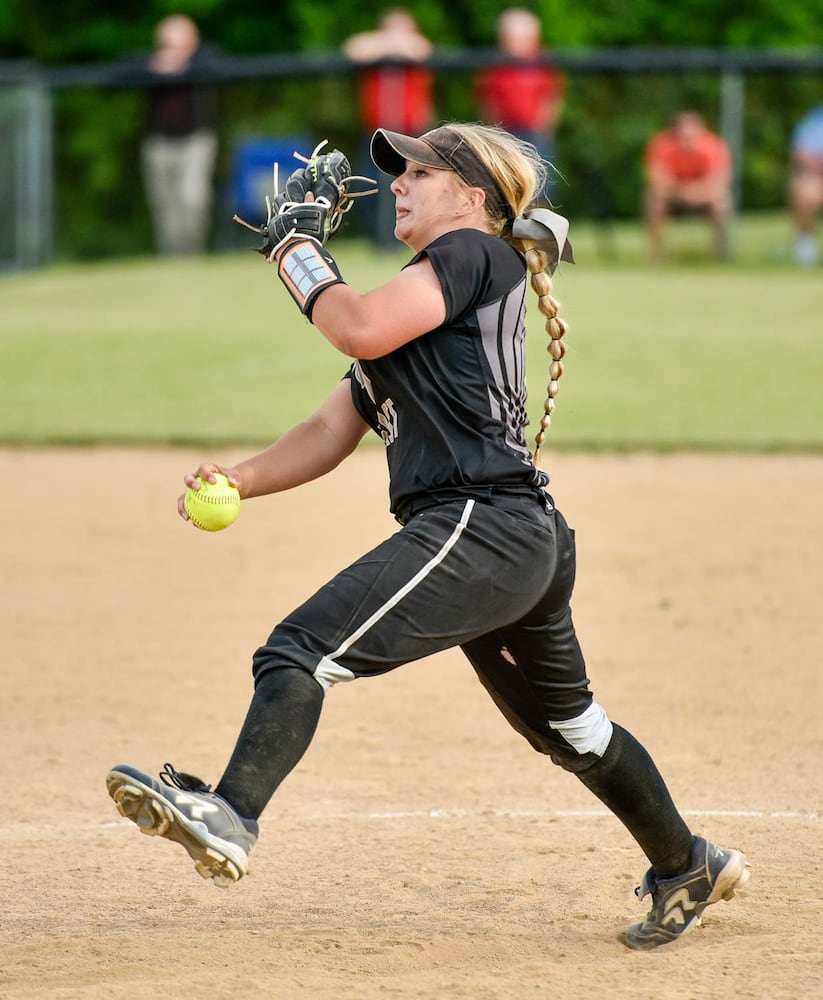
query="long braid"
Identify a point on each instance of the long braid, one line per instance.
(520, 173)
(541, 282)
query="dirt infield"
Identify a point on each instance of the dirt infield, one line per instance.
(421, 849)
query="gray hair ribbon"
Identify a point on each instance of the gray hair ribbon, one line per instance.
(549, 231)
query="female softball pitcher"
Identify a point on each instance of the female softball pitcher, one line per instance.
(483, 560)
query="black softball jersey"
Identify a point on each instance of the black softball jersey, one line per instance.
(451, 404)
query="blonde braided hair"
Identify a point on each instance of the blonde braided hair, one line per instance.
(520, 174)
(538, 263)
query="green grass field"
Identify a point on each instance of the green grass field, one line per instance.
(689, 354)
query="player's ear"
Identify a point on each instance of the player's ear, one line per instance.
(475, 198)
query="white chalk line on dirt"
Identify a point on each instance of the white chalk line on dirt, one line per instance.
(46, 831)
(563, 814)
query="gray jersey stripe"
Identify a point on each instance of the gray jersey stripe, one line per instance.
(502, 334)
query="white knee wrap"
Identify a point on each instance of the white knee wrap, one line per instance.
(587, 733)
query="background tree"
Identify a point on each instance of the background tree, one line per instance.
(608, 116)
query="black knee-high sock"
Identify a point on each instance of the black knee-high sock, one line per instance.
(626, 780)
(279, 725)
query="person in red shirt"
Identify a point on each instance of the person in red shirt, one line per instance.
(395, 87)
(689, 168)
(525, 97)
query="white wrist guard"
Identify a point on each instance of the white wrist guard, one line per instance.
(307, 269)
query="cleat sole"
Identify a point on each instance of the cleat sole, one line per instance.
(154, 816)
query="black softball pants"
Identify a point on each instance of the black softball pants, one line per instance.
(494, 578)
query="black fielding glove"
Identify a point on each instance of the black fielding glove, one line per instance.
(327, 178)
(304, 219)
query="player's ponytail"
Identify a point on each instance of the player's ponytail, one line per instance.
(538, 263)
(520, 175)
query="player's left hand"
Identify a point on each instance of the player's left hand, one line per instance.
(327, 178)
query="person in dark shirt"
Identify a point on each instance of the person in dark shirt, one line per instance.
(484, 560)
(179, 147)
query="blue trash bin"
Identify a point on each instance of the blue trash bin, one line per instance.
(252, 171)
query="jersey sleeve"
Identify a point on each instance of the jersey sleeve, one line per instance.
(473, 268)
(361, 397)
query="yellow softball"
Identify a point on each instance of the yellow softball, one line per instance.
(214, 506)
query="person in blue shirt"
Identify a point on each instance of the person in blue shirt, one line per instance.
(806, 186)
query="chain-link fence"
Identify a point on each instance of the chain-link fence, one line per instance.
(25, 168)
(69, 159)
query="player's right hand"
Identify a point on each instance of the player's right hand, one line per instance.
(206, 470)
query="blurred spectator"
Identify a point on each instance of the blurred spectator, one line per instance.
(179, 148)
(395, 93)
(806, 185)
(688, 168)
(524, 95)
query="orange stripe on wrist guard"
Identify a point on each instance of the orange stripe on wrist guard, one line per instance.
(306, 269)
